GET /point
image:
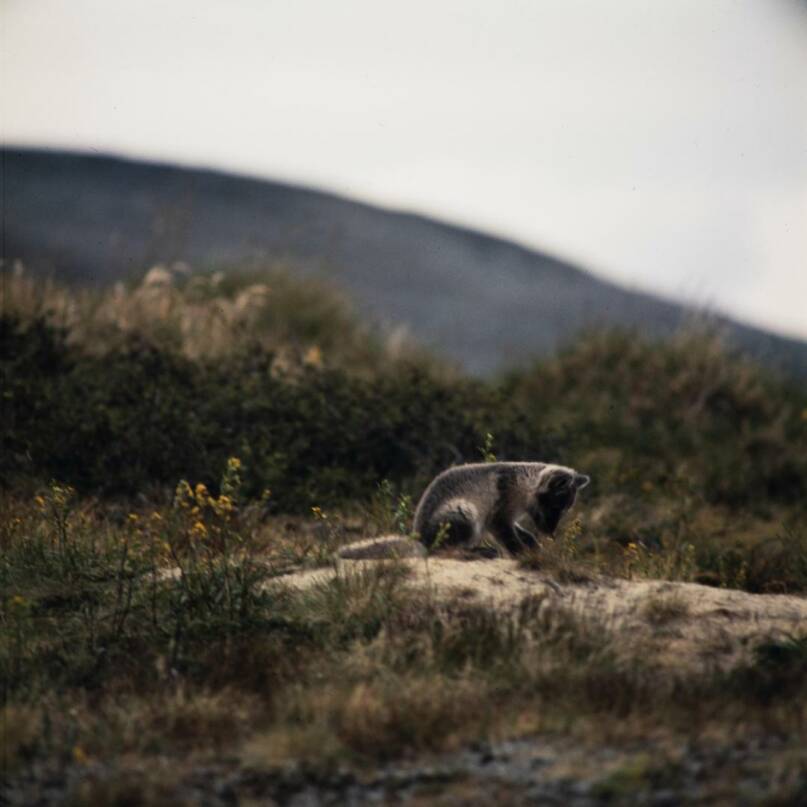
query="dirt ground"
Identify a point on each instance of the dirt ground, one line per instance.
(678, 625)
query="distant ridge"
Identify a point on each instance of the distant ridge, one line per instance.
(483, 301)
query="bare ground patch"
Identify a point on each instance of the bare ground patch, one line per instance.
(684, 626)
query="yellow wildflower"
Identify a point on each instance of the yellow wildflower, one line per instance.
(223, 506)
(199, 530)
(201, 492)
(233, 463)
(155, 516)
(313, 356)
(61, 493)
(80, 755)
(17, 601)
(183, 494)
(40, 502)
(134, 518)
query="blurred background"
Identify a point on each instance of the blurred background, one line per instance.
(662, 148)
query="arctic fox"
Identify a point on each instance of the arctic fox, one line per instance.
(467, 502)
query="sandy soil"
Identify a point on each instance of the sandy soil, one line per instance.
(682, 625)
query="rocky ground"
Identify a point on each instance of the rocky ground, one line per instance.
(541, 771)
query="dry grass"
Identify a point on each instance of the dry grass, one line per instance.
(303, 321)
(561, 557)
(663, 610)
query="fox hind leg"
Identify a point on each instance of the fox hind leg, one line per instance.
(456, 526)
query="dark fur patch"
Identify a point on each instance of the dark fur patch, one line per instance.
(506, 485)
(459, 531)
(551, 505)
(560, 481)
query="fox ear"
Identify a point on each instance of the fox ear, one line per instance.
(560, 480)
(580, 481)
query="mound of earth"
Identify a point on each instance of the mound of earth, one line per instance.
(677, 625)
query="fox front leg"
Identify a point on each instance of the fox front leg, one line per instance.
(528, 540)
(513, 537)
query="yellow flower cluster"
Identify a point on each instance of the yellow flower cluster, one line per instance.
(200, 505)
(183, 495)
(80, 756)
(198, 499)
(313, 356)
(61, 494)
(57, 496)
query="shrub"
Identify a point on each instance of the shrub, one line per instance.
(139, 417)
(640, 413)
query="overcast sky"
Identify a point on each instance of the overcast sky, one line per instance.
(661, 144)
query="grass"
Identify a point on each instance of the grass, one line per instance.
(766, 560)
(665, 610)
(215, 653)
(143, 620)
(107, 659)
(213, 315)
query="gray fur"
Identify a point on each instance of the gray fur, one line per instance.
(473, 501)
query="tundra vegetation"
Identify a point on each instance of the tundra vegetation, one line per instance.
(170, 450)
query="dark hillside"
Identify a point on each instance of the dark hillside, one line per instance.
(481, 300)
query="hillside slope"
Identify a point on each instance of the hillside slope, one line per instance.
(483, 301)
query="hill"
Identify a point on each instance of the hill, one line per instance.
(483, 301)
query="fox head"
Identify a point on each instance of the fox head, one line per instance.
(555, 494)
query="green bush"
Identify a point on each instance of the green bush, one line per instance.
(638, 412)
(139, 417)
(677, 416)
